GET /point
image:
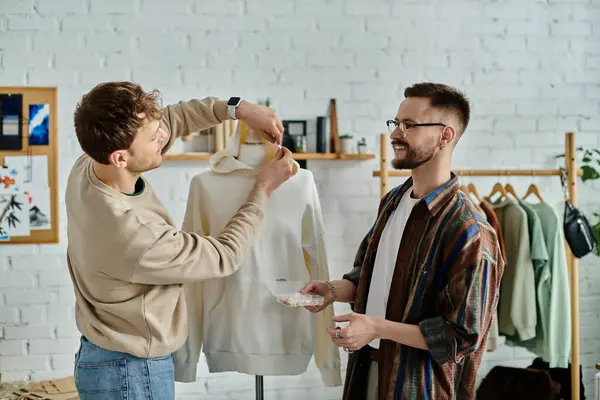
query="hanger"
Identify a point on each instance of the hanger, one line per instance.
(509, 189)
(498, 188)
(462, 187)
(473, 190)
(533, 189)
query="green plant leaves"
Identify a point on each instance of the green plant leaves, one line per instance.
(589, 173)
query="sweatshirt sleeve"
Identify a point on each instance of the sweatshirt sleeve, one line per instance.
(172, 256)
(559, 330)
(327, 355)
(522, 301)
(186, 117)
(472, 272)
(186, 358)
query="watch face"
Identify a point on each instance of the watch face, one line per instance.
(234, 101)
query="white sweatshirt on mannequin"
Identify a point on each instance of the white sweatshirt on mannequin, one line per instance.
(235, 321)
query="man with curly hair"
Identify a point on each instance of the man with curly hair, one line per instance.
(127, 260)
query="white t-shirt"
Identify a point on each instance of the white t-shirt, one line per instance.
(385, 260)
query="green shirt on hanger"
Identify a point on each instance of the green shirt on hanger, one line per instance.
(553, 292)
(539, 252)
(517, 317)
(539, 258)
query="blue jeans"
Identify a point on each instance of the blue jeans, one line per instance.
(111, 375)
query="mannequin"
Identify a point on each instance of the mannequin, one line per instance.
(236, 321)
(252, 151)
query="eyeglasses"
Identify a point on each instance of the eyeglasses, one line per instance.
(392, 124)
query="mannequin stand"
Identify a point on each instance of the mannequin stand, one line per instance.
(259, 387)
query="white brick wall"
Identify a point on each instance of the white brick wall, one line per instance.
(530, 69)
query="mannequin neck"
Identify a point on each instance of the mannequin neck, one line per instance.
(252, 154)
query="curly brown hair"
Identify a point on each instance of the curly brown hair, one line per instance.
(107, 117)
(443, 97)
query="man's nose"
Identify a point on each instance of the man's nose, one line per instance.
(398, 133)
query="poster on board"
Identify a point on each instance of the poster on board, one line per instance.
(29, 177)
(31, 169)
(39, 124)
(38, 204)
(9, 179)
(11, 117)
(14, 215)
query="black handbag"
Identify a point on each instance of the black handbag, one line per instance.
(578, 232)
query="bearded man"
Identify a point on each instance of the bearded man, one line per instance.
(426, 277)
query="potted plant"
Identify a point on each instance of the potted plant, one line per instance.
(590, 166)
(347, 143)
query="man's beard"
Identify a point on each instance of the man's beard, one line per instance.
(414, 157)
(138, 168)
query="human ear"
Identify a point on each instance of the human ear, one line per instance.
(448, 135)
(118, 158)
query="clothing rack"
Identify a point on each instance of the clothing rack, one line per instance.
(572, 262)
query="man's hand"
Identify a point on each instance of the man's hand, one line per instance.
(360, 331)
(320, 288)
(262, 120)
(276, 171)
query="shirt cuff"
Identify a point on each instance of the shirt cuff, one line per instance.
(434, 333)
(353, 276)
(220, 108)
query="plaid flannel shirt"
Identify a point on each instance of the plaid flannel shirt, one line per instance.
(447, 281)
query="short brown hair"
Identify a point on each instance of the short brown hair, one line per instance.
(443, 97)
(107, 117)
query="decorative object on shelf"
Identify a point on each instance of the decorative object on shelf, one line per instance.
(333, 130)
(301, 144)
(296, 127)
(321, 145)
(198, 142)
(347, 144)
(294, 135)
(362, 146)
(288, 141)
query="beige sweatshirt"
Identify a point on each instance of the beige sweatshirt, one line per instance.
(127, 260)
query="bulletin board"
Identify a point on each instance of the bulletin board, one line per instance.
(28, 165)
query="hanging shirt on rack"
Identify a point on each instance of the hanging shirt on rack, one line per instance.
(494, 335)
(553, 341)
(539, 252)
(517, 316)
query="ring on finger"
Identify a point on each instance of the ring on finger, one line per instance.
(337, 332)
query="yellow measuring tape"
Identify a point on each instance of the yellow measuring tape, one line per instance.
(245, 130)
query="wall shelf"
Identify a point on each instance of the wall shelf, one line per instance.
(297, 156)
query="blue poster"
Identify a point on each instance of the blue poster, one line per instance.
(39, 124)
